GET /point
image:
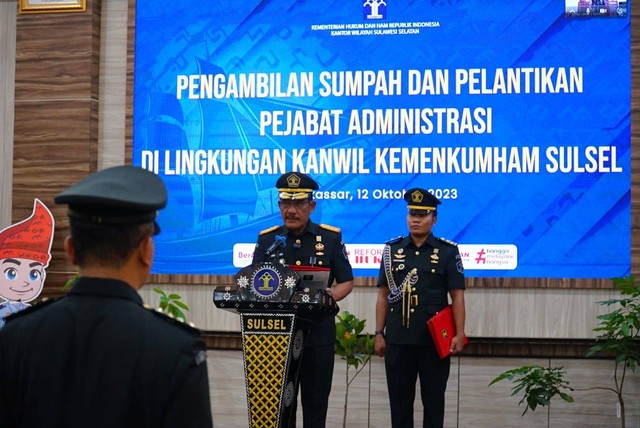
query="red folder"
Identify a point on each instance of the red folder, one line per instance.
(443, 329)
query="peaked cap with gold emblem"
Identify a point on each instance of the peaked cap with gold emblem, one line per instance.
(420, 200)
(295, 185)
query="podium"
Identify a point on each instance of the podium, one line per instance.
(276, 311)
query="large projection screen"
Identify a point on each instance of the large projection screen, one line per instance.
(517, 115)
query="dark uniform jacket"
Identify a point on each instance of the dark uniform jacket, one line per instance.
(439, 269)
(98, 358)
(319, 245)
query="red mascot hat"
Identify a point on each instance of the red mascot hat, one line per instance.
(31, 238)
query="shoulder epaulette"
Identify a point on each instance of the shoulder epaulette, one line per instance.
(271, 229)
(173, 320)
(46, 301)
(448, 241)
(331, 228)
(394, 240)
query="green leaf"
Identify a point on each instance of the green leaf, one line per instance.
(71, 281)
(625, 329)
(157, 290)
(181, 305)
(177, 313)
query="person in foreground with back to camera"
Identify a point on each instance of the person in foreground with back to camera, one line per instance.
(428, 269)
(97, 357)
(299, 241)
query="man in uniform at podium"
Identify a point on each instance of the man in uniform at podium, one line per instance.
(301, 242)
(417, 275)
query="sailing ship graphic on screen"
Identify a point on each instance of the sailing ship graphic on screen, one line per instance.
(203, 218)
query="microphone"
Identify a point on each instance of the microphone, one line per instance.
(280, 241)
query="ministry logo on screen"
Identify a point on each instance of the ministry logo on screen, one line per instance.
(374, 10)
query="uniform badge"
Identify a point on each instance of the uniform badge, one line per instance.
(293, 180)
(200, 357)
(344, 250)
(401, 266)
(459, 265)
(319, 246)
(417, 197)
(448, 241)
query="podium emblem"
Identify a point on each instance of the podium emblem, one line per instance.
(265, 282)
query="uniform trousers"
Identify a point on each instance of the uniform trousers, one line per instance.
(314, 380)
(403, 364)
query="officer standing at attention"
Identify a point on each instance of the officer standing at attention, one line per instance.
(299, 241)
(417, 275)
(97, 357)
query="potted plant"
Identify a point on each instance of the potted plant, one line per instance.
(171, 305)
(353, 347)
(619, 331)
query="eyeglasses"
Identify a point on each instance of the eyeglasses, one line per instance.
(297, 204)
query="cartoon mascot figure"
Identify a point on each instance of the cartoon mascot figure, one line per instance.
(25, 251)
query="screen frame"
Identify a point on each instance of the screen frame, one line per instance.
(480, 282)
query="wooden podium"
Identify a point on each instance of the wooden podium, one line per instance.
(276, 311)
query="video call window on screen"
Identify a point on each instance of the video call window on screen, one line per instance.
(595, 8)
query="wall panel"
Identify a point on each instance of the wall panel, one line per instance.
(7, 81)
(56, 115)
